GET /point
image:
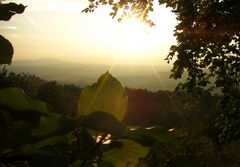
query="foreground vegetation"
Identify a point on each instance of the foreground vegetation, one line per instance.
(44, 134)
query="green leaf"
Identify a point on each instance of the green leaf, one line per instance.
(150, 9)
(18, 134)
(119, 19)
(6, 51)
(53, 125)
(76, 163)
(106, 95)
(15, 99)
(104, 122)
(128, 154)
(42, 157)
(51, 141)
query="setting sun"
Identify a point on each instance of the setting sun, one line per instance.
(131, 36)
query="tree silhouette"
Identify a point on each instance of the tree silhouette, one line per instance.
(6, 13)
(10, 9)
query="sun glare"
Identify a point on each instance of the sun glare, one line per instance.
(135, 38)
(130, 36)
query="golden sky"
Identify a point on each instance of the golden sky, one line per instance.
(58, 29)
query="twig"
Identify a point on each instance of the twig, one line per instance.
(91, 152)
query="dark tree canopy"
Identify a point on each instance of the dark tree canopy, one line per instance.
(6, 50)
(10, 9)
(6, 12)
(208, 48)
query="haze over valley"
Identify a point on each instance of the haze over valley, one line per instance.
(152, 78)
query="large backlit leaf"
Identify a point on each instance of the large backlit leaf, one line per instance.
(107, 95)
(128, 154)
(6, 51)
(16, 99)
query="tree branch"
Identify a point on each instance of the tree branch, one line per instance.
(10, 9)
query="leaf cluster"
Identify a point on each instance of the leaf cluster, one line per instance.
(125, 9)
(10, 9)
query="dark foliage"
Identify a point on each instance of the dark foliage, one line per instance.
(165, 108)
(6, 13)
(208, 47)
(151, 108)
(10, 9)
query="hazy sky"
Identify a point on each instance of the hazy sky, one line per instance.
(58, 29)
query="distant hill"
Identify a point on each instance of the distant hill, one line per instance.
(137, 76)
